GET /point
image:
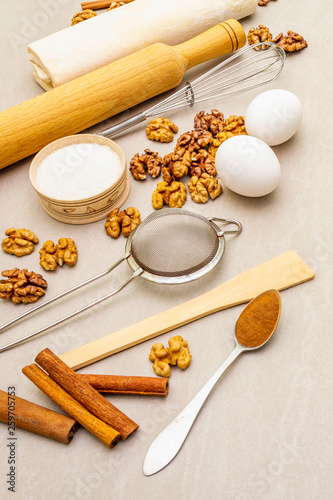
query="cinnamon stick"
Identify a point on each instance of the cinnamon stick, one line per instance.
(101, 4)
(37, 419)
(86, 395)
(123, 384)
(97, 427)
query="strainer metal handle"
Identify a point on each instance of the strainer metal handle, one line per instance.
(141, 268)
(76, 287)
(227, 221)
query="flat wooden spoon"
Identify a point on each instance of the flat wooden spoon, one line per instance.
(254, 328)
(279, 273)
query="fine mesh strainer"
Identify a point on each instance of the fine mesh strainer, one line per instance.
(170, 246)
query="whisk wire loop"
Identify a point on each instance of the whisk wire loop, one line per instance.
(252, 69)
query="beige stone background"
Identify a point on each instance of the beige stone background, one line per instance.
(266, 430)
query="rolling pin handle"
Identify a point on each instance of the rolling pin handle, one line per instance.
(124, 125)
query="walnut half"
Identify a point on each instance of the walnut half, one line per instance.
(124, 222)
(52, 255)
(19, 242)
(260, 34)
(176, 354)
(291, 41)
(203, 187)
(150, 161)
(161, 129)
(22, 286)
(173, 195)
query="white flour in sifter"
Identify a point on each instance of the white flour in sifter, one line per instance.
(78, 171)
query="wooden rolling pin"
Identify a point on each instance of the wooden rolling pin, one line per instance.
(81, 103)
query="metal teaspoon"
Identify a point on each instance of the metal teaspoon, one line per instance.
(254, 328)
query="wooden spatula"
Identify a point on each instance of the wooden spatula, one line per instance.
(282, 272)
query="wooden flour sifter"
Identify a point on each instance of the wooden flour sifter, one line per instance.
(96, 96)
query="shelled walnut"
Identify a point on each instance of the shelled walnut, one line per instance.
(19, 242)
(259, 34)
(52, 255)
(173, 195)
(203, 187)
(234, 125)
(291, 41)
(161, 129)
(176, 354)
(83, 16)
(130, 220)
(192, 141)
(22, 286)
(217, 141)
(175, 166)
(150, 161)
(202, 161)
(124, 221)
(213, 121)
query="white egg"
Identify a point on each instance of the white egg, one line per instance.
(247, 166)
(274, 116)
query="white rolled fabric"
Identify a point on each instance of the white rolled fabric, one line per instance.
(96, 42)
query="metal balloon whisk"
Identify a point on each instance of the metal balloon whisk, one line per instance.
(254, 66)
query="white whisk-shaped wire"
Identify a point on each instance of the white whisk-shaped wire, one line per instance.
(258, 64)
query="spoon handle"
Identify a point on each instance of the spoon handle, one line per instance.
(167, 444)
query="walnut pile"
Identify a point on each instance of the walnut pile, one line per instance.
(161, 129)
(150, 161)
(173, 194)
(19, 242)
(52, 255)
(202, 187)
(193, 156)
(291, 41)
(176, 354)
(22, 286)
(124, 221)
(259, 34)
(83, 16)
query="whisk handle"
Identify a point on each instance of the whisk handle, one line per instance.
(222, 39)
(124, 125)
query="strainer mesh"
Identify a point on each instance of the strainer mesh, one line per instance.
(174, 242)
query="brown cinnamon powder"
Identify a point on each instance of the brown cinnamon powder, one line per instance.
(258, 320)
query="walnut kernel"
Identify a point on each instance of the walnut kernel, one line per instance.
(124, 221)
(161, 129)
(52, 255)
(291, 41)
(22, 286)
(203, 187)
(130, 220)
(213, 122)
(173, 195)
(150, 161)
(19, 242)
(83, 16)
(176, 354)
(192, 141)
(260, 34)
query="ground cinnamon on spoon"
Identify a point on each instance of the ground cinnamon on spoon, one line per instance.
(258, 320)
